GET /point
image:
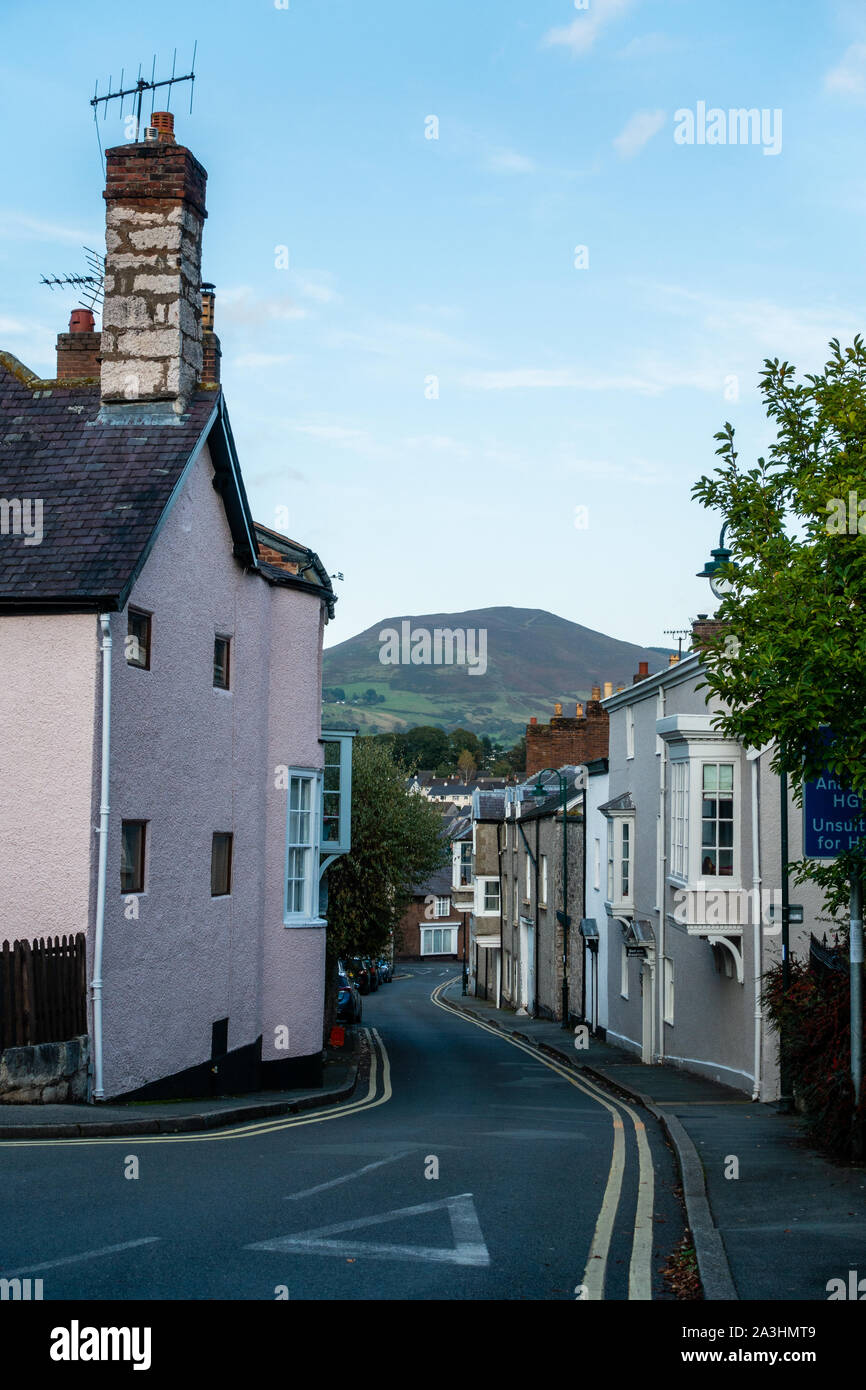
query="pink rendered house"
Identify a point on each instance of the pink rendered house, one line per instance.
(167, 788)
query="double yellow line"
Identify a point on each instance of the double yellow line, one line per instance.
(640, 1267)
(378, 1056)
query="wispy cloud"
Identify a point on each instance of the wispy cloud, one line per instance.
(316, 285)
(848, 78)
(242, 305)
(580, 36)
(510, 162)
(263, 359)
(637, 132)
(21, 225)
(649, 46)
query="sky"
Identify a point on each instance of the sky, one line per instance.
(484, 297)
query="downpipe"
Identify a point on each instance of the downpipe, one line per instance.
(96, 983)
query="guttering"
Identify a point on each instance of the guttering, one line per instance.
(96, 983)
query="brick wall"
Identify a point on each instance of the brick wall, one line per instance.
(409, 932)
(567, 740)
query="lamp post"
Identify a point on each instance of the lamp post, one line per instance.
(540, 792)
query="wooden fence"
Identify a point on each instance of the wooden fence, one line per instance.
(43, 991)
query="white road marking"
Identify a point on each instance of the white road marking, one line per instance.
(74, 1259)
(468, 1249)
(640, 1272)
(335, 1182)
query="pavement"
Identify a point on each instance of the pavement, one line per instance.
(770, 1218)
(183, 1116)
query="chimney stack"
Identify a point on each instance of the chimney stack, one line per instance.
(151, 321)
(78, 350)
(642, 672)
(596, 692)
(608, 689)
(210, 343)
(673, 659)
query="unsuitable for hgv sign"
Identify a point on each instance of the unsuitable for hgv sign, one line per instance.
(834, 818)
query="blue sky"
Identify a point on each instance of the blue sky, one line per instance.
(410, 258)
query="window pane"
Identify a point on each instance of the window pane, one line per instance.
(726, 777)
(708, 863)
(220, 864)
(221, 663)
(132, 857)
(726, 861)
(709, 832)
(726, 808)
(711, 777)
(726, 833)
(437, 941)
(138, 640)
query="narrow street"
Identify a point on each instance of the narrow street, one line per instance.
(545, 1186)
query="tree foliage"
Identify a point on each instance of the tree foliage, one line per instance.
(396, 843)
(792, 655)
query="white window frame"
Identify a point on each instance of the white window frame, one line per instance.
(669, 989)
(623, 972)
(527, 895)
(629, 731)
(428, 941)
(679, 819)
(307, 916)
(691, 739)
(482, 886)
(543, 899)
(620, 827)
(443, 907)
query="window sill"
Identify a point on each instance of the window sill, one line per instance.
(289, 922)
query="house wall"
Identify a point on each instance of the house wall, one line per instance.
(192, 760)
(50, 667)
(409, 931)
(713, 1031)
(596, 829)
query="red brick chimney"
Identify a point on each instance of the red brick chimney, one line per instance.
(78, 350)
(151, 321)
(211, 351)
(566, 741)
(704, 628)
(642, 672)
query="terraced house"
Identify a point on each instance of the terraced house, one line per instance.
(168, 792)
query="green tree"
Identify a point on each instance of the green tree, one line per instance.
(396, 843)
(792, 654)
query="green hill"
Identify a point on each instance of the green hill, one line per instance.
(533, 659)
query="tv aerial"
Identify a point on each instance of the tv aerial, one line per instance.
(679, 633)
(91, 284)
(136, 93)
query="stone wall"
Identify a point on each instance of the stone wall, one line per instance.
(45, 1074)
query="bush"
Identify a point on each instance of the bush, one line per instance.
(814, 1021)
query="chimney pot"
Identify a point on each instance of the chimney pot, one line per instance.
(673, 659)
(608, 689)
(643, 668)
(533, 720)
(163, 121)
(578, 710)
(596, 692)
(81, 321)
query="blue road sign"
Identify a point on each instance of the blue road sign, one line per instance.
(834, 818)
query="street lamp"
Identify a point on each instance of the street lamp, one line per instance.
(720, 557)
(540, 792)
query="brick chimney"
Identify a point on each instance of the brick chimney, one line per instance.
(642, 672)
(211, 351)
(704, 628)
(151, 321)
(78, 350)
(566, 741)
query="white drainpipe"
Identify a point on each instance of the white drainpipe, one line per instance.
(757, 940)
(96, 982)
(660, 886)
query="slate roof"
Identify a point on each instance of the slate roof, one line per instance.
(491, 806)
(103, 488)
(438, 883)
(623, 802)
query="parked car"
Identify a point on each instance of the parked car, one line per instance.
(349, 1006)
(386, 971)
(359, 972)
